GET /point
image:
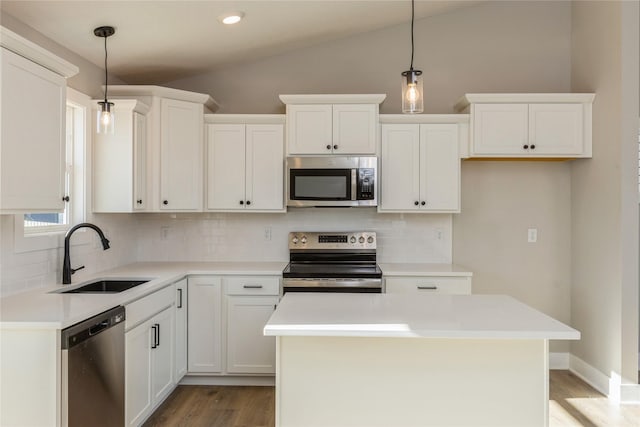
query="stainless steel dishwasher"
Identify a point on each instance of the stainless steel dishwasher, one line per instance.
(93, 371)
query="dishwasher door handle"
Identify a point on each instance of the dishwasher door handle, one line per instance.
(98, 327)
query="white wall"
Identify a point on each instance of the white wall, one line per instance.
(604, 192)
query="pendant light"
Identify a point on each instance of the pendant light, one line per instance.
(105, 117)
(412, 95)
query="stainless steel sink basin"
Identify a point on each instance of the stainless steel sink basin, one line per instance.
(106, 286)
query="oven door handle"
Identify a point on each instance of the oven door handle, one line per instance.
(331, 283)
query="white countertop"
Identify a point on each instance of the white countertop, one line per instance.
(413, 315)
(423, 269)
(44, 309)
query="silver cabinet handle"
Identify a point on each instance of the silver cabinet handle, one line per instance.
(428, 287)
(252, 286)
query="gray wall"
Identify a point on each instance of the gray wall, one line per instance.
(604, 190)
(492, 47)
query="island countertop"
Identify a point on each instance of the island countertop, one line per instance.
(413, 315)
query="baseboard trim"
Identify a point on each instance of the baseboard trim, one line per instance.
(612, 387)
(228, 380)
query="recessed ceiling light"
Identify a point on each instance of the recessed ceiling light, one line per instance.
(231, 18)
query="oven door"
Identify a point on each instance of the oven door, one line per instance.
(350, 285)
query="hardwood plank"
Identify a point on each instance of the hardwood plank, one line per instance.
(572, 402)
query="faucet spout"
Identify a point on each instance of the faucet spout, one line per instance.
(67, 271)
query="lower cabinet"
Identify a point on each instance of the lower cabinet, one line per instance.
(429, 284)
(227, 315)
(149, 354)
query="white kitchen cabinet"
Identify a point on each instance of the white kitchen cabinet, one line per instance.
(181, 148)
(205, 324)
(32, 148)
(332, 124)
(245, 163)
(529, 125)
(149, 354)
(250, 301)
(181, 329)
(420, 167)
(119, 160)
(175, 145)
(428, 284)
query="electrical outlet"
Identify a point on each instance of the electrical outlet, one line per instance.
(164, 233)
(439, 234)
(267, 233)
(532, 235)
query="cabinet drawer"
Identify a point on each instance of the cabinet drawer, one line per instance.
(432, 284)
(252, 285)
(144, 308)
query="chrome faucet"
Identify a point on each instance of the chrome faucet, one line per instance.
(67, 271)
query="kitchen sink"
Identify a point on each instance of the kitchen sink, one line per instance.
(105, 286)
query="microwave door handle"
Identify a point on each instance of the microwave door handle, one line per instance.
(354, 184)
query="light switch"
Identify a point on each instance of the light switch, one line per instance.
(532, 235)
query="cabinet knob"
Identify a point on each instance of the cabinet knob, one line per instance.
(328, 146)
(533, 147)
(65, 199)
(423, 203)
(139, 201)
(335, 147)
(242, 202)
(165, 202)
(525, 146)
(248, 202)
(416, 203)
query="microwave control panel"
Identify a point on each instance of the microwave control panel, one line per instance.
(366, 184)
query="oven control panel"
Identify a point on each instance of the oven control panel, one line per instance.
(332, 240)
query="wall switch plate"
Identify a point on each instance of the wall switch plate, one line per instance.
(532, 235)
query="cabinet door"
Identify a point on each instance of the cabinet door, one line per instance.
(162, 356)
(440, 171)
(226, 167)
(556, 129)
(354, 128)
(264, 167)
(32, 152)
(140, 162)
(181, 155)
(499, 129)
(205, 324)
(138, 400)
(400, 167)
(429, 284)
(248, 350)
(309, 129)
(181, 329)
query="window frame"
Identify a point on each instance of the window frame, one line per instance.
(51, 237)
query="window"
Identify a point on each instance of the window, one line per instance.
(35, 231)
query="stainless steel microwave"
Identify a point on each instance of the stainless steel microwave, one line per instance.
(332, 181)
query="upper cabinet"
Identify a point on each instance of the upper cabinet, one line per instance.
(120, 160)
(245, 163)
(174, 146)
(529, 125)
(32, 154)
(332, 124)
(420, 163)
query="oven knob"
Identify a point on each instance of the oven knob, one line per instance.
(352, 239)
(361, 239)
(303, 240)
(370, 239)
(295, 240)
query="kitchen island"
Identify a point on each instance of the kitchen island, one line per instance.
(411, 360)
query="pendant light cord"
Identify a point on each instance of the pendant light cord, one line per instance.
(106, 74)
(412, 15)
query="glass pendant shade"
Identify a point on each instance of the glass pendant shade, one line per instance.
(412, 94)
(105, 118)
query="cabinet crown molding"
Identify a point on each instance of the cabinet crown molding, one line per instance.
(333, 99)
(28, 49)
(164, 92)
(523, 98)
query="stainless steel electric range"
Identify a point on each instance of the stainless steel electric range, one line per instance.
(332, 262)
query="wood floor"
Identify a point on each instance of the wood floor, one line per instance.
(572, 403)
